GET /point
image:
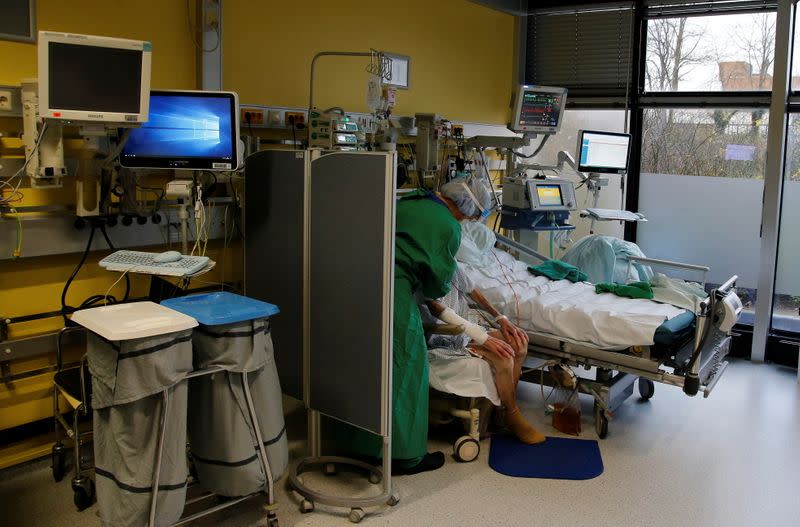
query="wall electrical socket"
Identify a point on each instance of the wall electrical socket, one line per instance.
(210, 15)
(297, 117)
(6, 101)
(270, 116)
(256, 116)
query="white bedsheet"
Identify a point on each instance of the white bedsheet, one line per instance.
(569, 310)
(466, 376)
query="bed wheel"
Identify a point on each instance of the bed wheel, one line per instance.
(466, 449)
(600, 421)
(646, 388)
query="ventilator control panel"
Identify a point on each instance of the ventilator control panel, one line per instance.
(539, 194)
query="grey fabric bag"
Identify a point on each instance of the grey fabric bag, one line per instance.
(222, 438)
(128, 381)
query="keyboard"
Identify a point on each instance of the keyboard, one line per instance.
(142, 262)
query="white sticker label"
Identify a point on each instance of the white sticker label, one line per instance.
(221, 165)
(298, 155)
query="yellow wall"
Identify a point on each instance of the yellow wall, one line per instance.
(461, 54)
(33, 285)
(162, 22)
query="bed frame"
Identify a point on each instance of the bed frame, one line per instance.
(695, 365)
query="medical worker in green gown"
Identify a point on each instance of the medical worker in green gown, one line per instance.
(428, 236)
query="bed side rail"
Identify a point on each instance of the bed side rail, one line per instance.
(511, 244)
(704, 269)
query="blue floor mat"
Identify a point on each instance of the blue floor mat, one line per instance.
(556, 458)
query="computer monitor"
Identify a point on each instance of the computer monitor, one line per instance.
(90, 78)
(193, 130)
(603, 152)
(538, 109)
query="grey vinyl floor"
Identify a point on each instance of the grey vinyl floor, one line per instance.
(730, 460)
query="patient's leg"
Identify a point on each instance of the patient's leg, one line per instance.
(505, 380)
(520, 352)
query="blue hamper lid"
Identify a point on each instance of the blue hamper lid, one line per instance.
(221, 307)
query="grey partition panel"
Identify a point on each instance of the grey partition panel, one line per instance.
(351, 240)
(274, 245)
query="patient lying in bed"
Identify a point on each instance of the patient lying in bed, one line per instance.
(455, 359)
(559, 308)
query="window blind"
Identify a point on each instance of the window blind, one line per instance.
(587, 52)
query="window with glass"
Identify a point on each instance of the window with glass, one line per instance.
(700, 187)
(710, 53)
(786, 299)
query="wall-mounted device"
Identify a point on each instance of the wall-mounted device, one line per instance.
(46, 163)
(91, 78)
(603, 152)
(538, 109)
(192, 130)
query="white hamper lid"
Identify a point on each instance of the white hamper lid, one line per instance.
(133, 321)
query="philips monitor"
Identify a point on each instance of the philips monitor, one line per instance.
(603, 152)
(538, 109)
(192, 130)
(89, 78)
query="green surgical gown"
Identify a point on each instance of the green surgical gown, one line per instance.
(426, 241)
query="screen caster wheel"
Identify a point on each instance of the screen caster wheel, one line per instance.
(375, 478)
(82, 493)
(59, 459)
(646, 388)
(356, 515)
(329, 469)
(466, 449)
(394, 499)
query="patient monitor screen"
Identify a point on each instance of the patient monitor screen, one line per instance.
(603, 152)
(93, 78)
(538, 109)
(549, 195)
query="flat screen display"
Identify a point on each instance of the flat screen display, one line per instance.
(540, 109)
(549, 195)
(191, 130)
(94, 78)
(604, 152)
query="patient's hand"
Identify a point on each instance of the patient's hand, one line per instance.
(499, 347)
(513, 334)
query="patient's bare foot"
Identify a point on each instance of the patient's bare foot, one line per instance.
(522, 429)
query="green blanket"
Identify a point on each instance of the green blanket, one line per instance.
(632, 290)
(558, 270)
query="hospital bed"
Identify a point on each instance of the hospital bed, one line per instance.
(687, 350)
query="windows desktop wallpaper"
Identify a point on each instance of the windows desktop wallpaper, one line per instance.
(184, 126)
